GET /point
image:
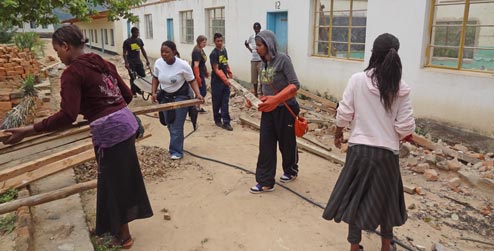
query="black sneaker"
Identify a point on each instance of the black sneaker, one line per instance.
(218, 124)
(227, 127)
(285, 178)
(260, 189)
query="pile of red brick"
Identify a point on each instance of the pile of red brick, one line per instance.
(15, 65)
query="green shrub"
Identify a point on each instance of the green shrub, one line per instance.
(8, 196)
(7, 31)
(29, 40)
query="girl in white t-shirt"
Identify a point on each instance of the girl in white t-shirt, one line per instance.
(172, 81)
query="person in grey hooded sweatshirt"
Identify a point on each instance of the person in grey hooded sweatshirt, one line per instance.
(279, 86)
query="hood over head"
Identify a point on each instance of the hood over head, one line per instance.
(269, 38)
(93, 61)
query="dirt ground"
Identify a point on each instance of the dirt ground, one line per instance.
(203, 205)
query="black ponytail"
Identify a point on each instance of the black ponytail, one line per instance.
(387, 68)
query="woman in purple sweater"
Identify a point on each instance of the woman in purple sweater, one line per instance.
(92, 87)
(369, 190)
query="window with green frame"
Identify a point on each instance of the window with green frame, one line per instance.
(215, 23)
(339, 28)
(187, 27)
(462, 35)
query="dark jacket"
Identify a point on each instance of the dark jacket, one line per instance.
(90, 86)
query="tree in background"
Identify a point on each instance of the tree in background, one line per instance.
(42, 11)
(7, 31)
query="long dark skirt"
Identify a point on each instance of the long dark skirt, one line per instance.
(369, 190)
(121, 194)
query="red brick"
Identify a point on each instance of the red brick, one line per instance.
(5, 106)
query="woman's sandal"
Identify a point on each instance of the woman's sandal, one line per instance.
(125, 244)
(360, 248)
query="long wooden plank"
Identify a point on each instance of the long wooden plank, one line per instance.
(300, 143)
(35, 164)
(246, 93)
(138, 111)
(166, 106)
(49, 169)
(323, 101)
(55, 167)
(42, 138)
(25, 152)
(48, 196)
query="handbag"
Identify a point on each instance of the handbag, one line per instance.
(300, 125)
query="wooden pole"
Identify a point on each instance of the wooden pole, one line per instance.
(301, 144)
(246, 93)
(42, 138)
(166, 106)
(47, 197)
(137, 110)
(327, 103)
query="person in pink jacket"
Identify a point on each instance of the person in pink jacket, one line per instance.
(376, 106)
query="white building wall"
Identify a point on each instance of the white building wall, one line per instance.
(97, 26)
(26, 27)
(463, 99)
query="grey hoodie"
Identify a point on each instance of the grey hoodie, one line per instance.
(279, 70)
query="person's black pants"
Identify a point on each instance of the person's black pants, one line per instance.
(220, 97)
(135, 68)
(277, 126)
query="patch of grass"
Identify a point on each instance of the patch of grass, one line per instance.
(8, 196)
(7, 224)
(103, 243)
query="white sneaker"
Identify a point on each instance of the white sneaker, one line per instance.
(175, 157)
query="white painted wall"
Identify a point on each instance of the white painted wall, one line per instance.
(463, 99)
(26, 27)
(101, 24)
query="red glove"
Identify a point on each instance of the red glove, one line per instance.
(248, 104)
(222, 76)
(270, 103)
(230, 74)
(408, 138)
(197, 75)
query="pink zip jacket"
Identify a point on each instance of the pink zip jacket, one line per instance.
(371, 125)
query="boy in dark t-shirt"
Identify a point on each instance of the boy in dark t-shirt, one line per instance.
(220, 85)
(131, 54)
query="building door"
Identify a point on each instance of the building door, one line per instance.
(277, 22)
(128, 29)
(169, 29)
